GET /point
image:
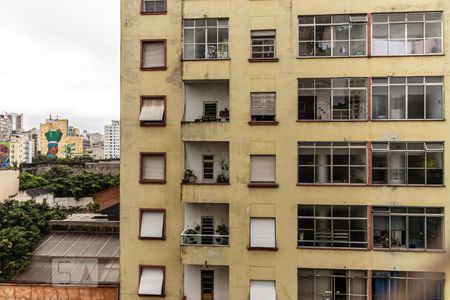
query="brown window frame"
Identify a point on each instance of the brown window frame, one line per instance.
(163, 291)
(152, 97)
(163, 12)
(152, 181)
(262, 59)
(162, 68)
(144, 210)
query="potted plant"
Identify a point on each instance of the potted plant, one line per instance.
(224, 114)
(189, 177)
(190, 232)
(222, 177)
(223, 230)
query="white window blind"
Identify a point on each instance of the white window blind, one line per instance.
(153, 168)
(262, 233)
(262, 290)
(151, 282)
(263, 33)
(153, 55)
(152, 224)
(262, 168)
(263, 104)
(152, 110)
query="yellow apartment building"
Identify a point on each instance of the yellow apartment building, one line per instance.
(276, 149)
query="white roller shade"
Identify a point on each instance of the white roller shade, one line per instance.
(262, 290)
(262, 168)
(152, 224)
(151, 282)
(153, 55)
(263, 104)
(263, 33)
(152, 110)
(153, 167)
(262, 233)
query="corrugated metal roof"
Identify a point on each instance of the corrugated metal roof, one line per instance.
(102, 247)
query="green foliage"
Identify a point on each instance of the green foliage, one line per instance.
(68, 150)
(63, 182)
(22, 224)
(29, 181)
(77, 160)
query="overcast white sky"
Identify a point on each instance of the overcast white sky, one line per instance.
(61, 58)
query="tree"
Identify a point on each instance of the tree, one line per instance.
(29, 181)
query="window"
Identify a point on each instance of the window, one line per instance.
(210, 110)
(407, 98)
(408, 227)
(153, 168)
(332, 284)
(152, 225)
(263, 44)
(153, 6)
(208, 167)
(332, 226)
(332, 99)
(262, 290)
(263, 106)
(262, 233)
(152, 111)
(151, 281)
(407, 163)
(153, 55)
(340, 35)
(207, 283)
(331, 162)
(407, 34)
(262, 168)
(392, 285)
(205, 39)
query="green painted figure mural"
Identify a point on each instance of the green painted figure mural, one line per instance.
(53, 138)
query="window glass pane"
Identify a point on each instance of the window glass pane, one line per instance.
(397, 31)
(397, 47)
(306, 49)
(433, 45)
(380, 47)
(306, 210)
(381, 231)
(398, 232)
(415, 46)
(416, 101)
(306, 20)
(380, 102)
(357, 47)
(434, 168)
(415, 30)
(306, 101)
(341, 48)
(323, 105)
(341, 33)
(416, 232)
(323, 49)
(200, 35)
(434, 233)
(380, 31)
(306, 33)
(433, 30)
(398, 99)
(341, 104)
(397, 166)
(396, 17)
(433, 16)
(358, 31)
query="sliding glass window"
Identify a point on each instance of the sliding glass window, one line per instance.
(325, 99)
(408, 163)
(412, 98)
(332, 226)
(332, 162)
(339, 35)
(407, 33)
(408, 227)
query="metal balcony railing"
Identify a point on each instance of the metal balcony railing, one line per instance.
(188, 239)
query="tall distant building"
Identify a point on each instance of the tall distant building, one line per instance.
(22, 147)
(67, 138)
(16, 122)
(112, 140)
(5, 127)
(285, 149)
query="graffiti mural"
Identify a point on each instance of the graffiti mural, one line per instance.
(53, 138)
(5, 149)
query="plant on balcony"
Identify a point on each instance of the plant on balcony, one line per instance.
(223, 230)
(224, 114)
(189, 177)
(222, 177)
(191, 239)
(206, 119)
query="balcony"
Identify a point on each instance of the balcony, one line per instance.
(211, 69)
(205, 225)
(206, 163)
(206, 282)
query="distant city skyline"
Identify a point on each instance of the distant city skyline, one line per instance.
(61, 58)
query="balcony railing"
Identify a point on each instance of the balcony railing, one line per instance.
(204, 239)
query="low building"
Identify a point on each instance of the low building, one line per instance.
(109, 202)
(9, 183)
(40, 195)
(83, 265)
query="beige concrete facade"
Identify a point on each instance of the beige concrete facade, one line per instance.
(244, 140)
(9, 183)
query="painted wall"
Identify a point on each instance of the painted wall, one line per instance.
(194, 157)
(9, 183)
(245, 140)
(193, 213)
(198, 93)
(192, 282)
(32, 292)
(61, 125)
